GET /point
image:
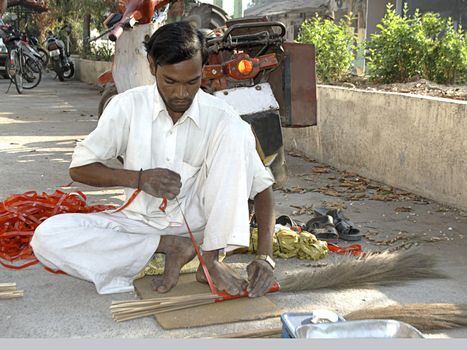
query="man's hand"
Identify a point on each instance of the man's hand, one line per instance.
(260, 278)
(161, 183)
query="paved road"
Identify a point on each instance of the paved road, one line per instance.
(38, 131)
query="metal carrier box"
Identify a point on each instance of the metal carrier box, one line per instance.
(328, 324)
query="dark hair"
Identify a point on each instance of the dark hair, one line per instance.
(176, 42)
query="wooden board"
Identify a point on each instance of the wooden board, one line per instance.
(243, 309)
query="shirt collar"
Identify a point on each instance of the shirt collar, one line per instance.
(192, 112)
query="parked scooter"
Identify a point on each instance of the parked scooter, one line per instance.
(59, 54)
(43, 53)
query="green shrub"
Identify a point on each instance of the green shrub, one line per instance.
(335, 45)
(447, 57)
(102, 52)
(396, 52)
(417, 47)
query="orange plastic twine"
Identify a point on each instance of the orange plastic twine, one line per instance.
(20, 214)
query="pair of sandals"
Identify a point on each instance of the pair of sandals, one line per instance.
(328, 225)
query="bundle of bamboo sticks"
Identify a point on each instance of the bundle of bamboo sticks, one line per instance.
(131, 309)
(9, 291)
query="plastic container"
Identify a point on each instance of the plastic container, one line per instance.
(292, 320)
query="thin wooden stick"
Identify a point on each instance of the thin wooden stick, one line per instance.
(131, 309)
(157, 306)
(255, 333)
(9, 291)
(161, 300)
(137, 314)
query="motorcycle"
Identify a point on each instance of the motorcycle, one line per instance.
(135, 22)
(269, 81)
(44, 55)
(59, 54)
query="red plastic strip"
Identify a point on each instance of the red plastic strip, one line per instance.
(223, 295)
(354, 249)
(20, 214)
(132, 198)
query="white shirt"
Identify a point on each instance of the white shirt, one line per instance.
(137, 126)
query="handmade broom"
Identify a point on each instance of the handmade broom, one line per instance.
(372, 269)
(369, 269)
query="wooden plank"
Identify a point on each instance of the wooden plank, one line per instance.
(243, 309)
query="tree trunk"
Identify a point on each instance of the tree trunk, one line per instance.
(3, 4)
(86, 33)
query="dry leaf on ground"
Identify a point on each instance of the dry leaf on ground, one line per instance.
(349, 174)
(403, 209)
(294, 189)
(333, 205)
(356, 197)
(331, 192)
(321, 169)
(302, 210)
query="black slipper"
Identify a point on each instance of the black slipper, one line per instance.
(323, 228)
(346, 228)
(287, 221)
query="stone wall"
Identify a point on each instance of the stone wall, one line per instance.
(411, 142)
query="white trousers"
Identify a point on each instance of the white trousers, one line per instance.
(107, 249)
(111, 249)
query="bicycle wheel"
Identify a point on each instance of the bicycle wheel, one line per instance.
(32, 73)
(8, 69)
(44, 57)
(18, 77)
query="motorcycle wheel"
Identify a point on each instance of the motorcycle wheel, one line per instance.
(207, 16)
(109, 92)
(59, 70)
(279, 169)
(44, 56)
(32, 73)
(70, 72)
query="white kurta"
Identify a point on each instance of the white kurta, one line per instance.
(211, 148)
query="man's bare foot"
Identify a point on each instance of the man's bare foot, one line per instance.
(178, 251)
(224, 278)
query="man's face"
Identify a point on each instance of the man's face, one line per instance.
(178, 83)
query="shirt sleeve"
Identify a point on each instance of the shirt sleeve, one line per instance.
(109, 139)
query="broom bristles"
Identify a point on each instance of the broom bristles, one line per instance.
(424, 317)
(373, 269)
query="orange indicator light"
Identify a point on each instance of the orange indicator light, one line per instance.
(245, 67)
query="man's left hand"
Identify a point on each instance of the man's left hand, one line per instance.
(260, 278)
